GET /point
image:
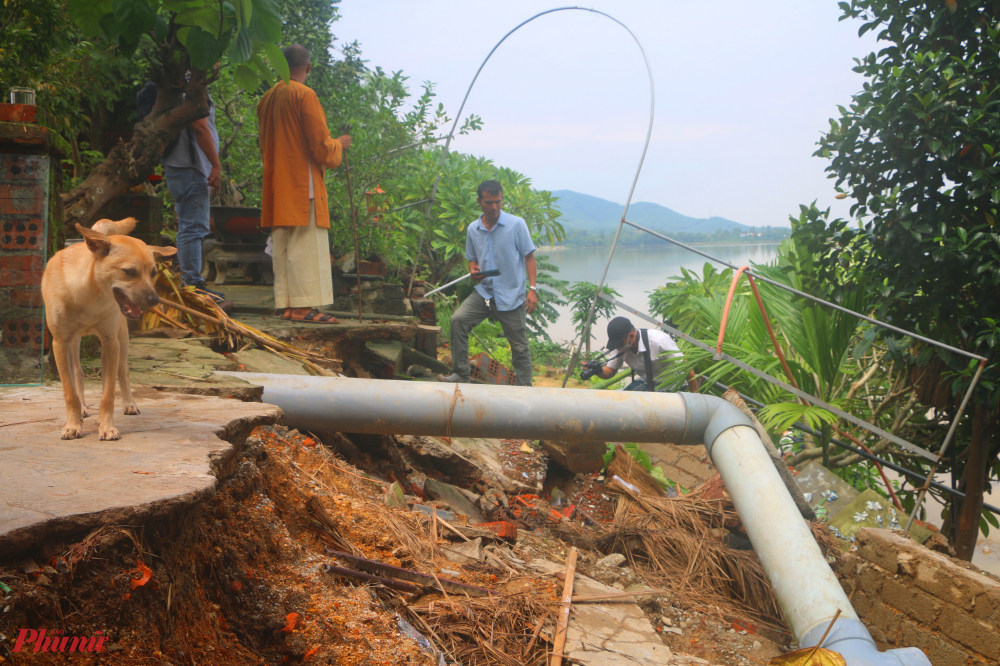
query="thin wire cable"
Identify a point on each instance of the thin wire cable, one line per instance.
(947, 441)
(909, 446)
(882, 324)
(798, 425)
(458, 116)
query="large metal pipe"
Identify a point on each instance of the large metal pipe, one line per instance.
(803, 582)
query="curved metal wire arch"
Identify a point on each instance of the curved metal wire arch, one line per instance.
(635, 179)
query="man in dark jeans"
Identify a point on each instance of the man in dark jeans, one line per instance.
(496, 241)
(192, 171)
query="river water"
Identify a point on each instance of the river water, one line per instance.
(635, 271)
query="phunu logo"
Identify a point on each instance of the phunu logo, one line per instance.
(56, 642)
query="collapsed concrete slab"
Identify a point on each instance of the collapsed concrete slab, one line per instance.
(169, 456)
(612, 634)
(467, 460)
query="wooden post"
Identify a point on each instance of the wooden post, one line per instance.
(567, 602)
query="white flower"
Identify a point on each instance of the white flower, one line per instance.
(858, 517)
(873, 506)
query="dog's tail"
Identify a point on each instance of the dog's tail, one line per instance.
(120, 228)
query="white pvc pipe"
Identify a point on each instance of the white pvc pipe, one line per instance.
(803, 582)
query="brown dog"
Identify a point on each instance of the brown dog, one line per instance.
(87, 288)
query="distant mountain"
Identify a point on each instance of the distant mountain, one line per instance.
(595, 215)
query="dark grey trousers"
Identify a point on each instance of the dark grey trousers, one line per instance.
(470, 314)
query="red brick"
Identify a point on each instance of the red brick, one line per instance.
(10, 278)
(940, 650)
(970, 632)
(24, 333)
(21, 234)
(20, 205)
(22, 262)
(22, 167)
(871, 578)
(875, 550)
(18, 113)
(986, 607)
(26, 297)
(862, 604)
(920, 606)
(886, 618)
(934, 573)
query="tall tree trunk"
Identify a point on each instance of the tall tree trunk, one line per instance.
(178, 104)
(977, 471)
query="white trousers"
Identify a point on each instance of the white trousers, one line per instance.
(301, 259)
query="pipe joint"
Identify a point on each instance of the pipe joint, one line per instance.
(707, 417)
(852, 640)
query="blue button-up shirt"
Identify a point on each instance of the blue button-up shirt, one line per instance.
(504, 248)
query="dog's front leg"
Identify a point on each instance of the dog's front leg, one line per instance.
(64, 363)
(110, 354)
(130, 406)
(77, 367)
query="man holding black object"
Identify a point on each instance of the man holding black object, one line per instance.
(496, 241)
(647, 352)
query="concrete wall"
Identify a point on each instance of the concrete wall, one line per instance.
(909, 596)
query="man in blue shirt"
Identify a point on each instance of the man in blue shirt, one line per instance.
(496, 241)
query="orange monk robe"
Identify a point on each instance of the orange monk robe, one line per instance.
(294, 139)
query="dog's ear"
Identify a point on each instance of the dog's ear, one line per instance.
(97, 242)
(161, 252)
(111, 228)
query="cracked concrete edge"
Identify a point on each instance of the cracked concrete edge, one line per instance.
(222, 463)
(23, 538)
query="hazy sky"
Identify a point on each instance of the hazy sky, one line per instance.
(743, 91)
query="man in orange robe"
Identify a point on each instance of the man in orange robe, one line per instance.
(296, 145)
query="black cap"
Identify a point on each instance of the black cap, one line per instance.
(618, 328)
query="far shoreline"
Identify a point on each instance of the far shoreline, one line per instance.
(556, 248)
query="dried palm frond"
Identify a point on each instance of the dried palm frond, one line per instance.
(677, 543)
(411, 533)
(186, 308)
(326, 528)
(490, 631)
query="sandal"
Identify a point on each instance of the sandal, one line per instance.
(316, 317)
